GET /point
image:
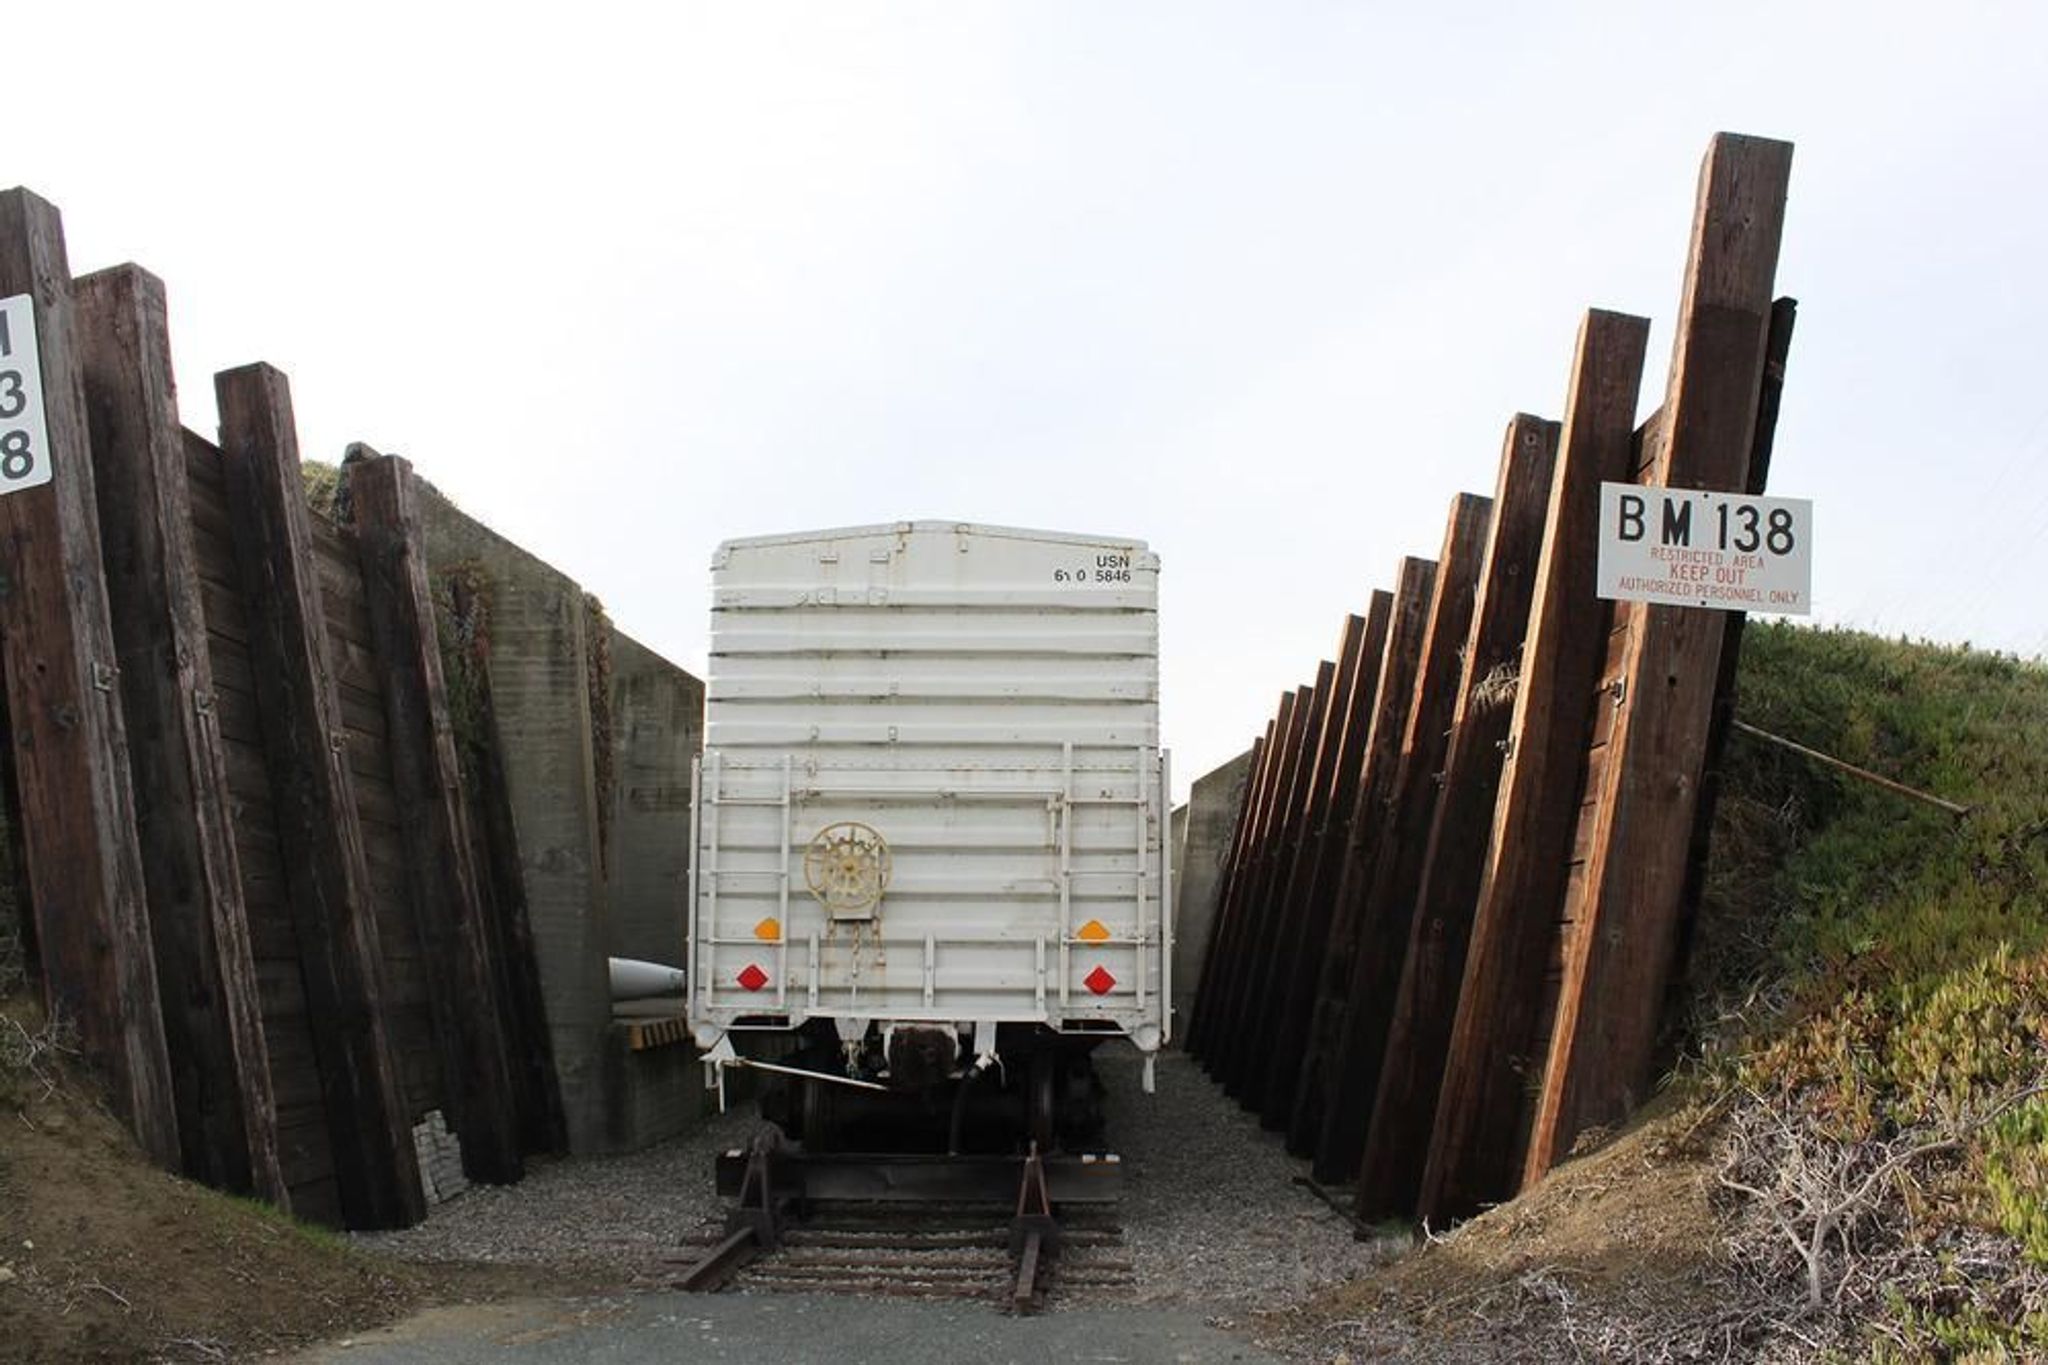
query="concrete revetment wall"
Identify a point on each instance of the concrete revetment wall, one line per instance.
(1210, 817)
(596, 734)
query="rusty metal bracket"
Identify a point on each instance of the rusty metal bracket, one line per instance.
(1034, 1233)
(755, 1226)
(760, 1211)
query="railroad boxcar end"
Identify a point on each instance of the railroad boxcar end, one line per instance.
(929, 823)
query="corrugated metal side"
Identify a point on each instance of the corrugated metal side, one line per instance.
(988, 701)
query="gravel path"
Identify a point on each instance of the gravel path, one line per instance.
(1213, 1220)
(617, 1214)
(787, 1329)
(1211, 1211)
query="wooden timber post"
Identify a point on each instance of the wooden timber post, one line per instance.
(1244, 906)
(1296, 815)
(1402, 655)
(1475, 1139)
(1294, 991)
(67, 733)
(427, 780)
(1340, 683)
(1397, 1140)
(1389, 905)
(1222, 959)
(1784, 314)
(1248, 903)
(318, 827)
(1217, 970)
(1259, 898)
(220, 1068)
(1626, 925)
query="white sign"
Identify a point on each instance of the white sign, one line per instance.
(24, 438)
(1684, 548)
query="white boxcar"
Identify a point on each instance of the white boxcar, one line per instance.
(932, 794)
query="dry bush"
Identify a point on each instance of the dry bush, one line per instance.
(1834, 1237)
(35, 1052)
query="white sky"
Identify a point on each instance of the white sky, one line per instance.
(1260, 283)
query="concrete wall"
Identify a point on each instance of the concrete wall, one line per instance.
(657, 726)
(657, 731)
(1177, 831)
(593, 888)
(1210, 820)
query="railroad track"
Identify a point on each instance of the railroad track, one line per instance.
(927, 1227)
(939, 1251)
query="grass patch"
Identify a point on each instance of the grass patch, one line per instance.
(1882, 963)
(245, 1208)
(323, 487)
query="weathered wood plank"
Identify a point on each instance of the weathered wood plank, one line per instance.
(213, 1026)
(1622, 951)
(1242, 1065)
(1397, 1140)
(1259, 950)
(208, 508)
(314, 801)
(1231, 912)
(222, 609)
(1243, 883)
(1258, 902)
(76, 811)
(1475, 1135)
(1302, 923)
(1389, 907)
(1396, 689)
(1297, 990)
(427, 781)
(209, 483)
(1778, 347)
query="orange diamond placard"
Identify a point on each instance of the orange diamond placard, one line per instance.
(1092, 932)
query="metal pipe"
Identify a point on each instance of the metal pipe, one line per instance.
(1850, 768)
(802, 1074)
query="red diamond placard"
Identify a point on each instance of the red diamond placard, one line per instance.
(1099, 981)
(752, 977)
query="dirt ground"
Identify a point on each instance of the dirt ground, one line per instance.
(103, 1257)
(1610, 1251)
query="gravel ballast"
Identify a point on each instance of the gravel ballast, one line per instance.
(620, 1214)
(1212, 1216)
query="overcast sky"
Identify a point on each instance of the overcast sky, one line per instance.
(1259, 283)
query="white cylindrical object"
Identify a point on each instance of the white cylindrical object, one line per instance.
(633, 979)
